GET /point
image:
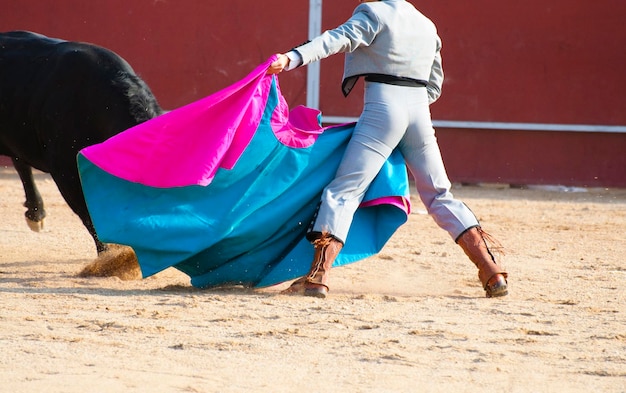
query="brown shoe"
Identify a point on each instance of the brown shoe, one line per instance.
(497, 286)
(474, 242)
(315, 283)
(296, 287)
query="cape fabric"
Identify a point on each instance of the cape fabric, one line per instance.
(225, 188)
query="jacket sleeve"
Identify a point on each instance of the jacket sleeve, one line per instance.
(359, 30)
(435, 81)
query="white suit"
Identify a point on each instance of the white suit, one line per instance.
(389, 38)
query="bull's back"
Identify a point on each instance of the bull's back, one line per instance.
(57, 97)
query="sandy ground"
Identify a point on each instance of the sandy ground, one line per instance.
(412, 319)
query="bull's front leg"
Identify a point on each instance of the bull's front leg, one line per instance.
(35, 212)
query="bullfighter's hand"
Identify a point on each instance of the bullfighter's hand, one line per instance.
(279, 64)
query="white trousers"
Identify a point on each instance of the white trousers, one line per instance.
(393, 116)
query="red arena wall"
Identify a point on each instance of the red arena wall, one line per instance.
(524, 82)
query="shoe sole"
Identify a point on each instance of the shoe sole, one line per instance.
(497, 292)
(316, 292)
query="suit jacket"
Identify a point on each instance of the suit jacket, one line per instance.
(388, 37)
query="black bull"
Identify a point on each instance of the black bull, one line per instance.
(57, 97)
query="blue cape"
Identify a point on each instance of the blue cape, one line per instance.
(247, 224)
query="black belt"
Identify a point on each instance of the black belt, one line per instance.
(349, 82)
(395, 80)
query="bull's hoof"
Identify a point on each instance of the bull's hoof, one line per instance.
(118, 261)
(35, 226)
